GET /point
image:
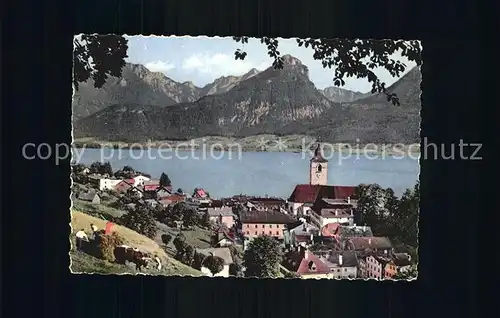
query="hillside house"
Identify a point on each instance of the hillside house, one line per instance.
(257, 222)
(91, 197)
(162, 193)
(306, 265)
(222, 252)
(223, 215)
(172, 200)
(325, 211)
(108, 184)
(223, 238)
(139, 180)
(150, 185)
(200, 194)
(399, 263)
(124, 185)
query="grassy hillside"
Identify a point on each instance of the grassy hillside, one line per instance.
(81, 262)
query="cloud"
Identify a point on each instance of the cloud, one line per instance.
(159, 66)
(219, 64)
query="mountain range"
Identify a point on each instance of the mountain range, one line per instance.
(143, 105)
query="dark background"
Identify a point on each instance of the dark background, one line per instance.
(36, 107)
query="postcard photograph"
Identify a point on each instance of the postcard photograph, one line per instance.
(245, 157)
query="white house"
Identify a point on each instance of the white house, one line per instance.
(222, 252)
(341, 264)
(327, 216)
(139, 180)
(108, 184)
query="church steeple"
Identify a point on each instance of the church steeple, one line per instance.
(318, 167)
(318, 155)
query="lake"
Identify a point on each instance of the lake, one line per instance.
(255, 173)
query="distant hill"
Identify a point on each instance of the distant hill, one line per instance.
(270, 102)
(340, 95)
(225, 83)
(136, 85)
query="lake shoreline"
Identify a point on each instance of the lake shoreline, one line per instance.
(250, 145)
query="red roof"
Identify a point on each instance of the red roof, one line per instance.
(297, 263)
(174, 198)
(201, 193)
(151, 187)
(129, 181)
(309, 193)
(330, 230)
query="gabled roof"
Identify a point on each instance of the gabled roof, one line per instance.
(271, 216)
(224, 211)
(309, 193)
(330, 230)
(370, 242)
(297, 262)
(349, 258)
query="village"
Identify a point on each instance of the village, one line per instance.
(319, 231)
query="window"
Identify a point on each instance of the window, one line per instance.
(270, 226)
(262, 232)
(277, 232)
(248, 232)
(248, 225)
(255, 225)
(319, 169)
(270, 233)
(263, 226)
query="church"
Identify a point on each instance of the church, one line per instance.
(304, 196)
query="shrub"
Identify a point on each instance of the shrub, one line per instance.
(107, 244)
(165, 238)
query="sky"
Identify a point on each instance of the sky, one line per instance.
(202, 59)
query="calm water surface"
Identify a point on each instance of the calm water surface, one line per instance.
(258, 173)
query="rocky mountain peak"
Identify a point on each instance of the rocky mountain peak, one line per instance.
(291, 60)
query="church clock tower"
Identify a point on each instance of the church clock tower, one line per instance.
(318, 168)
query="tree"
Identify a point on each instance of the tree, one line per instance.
(262, 258)
(411, 273)
(101, 168)
(197, 260)
(165, 180)
(166, 238)
(140, 219)
(188, 255)
(214, 263)
(406, 219)
(128, 169)
(351, 58)
(97, 57)
(180, 244)
(236, 269)
(190, 217)
(205, 220)
(291, 275)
